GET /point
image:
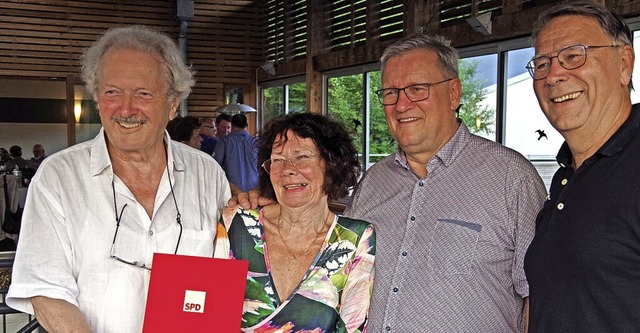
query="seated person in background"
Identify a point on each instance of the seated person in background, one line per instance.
(4, 156)
(38, 156)
(237, 153)
(16, 159)
(309, 269)
(186, 130)
(208, 135)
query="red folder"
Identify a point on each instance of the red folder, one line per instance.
(195, 294)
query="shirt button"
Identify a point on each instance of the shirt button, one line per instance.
(421, 183)
(413, 218)
(395, 289)
(564, 182)
(388, 328)
(404, 253)
(150, 232)
(560, 206)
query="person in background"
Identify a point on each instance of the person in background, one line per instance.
(223, 125)
(4, 158)
(208, 134)
(96, 212)
(583, 265)
(454, 212)
(16, 159)
(310, 269)
(237, 153)
(186, 130)
(38, 156)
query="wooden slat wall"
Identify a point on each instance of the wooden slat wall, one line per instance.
(227, 39)
(45, 38)
(626, 7)
(226, 45)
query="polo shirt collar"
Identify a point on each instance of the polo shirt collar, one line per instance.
(616, 143)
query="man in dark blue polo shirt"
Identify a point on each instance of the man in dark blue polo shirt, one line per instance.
(583, 265)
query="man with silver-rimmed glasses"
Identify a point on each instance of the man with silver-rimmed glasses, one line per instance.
(583, 264)
(98, 211)
(454, 212)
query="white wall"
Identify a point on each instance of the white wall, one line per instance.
(52, 136)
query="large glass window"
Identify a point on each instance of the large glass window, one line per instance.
(272, 102)
(296, 97)
(479, 82)
(282, 97)
(352, 101)
(380, 141)
(526, 127)
(345, 104)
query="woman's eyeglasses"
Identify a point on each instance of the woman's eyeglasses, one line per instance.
(298, 162)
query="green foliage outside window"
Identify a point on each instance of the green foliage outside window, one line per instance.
(272, 102)
(298, 97)
(345, 104)
(381, 142)
(478, 118)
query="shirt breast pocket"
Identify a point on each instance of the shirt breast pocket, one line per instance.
(454, 246)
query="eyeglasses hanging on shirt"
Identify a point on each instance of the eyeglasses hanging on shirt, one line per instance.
(140, 264)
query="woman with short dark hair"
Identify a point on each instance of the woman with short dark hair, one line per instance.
(310, 269)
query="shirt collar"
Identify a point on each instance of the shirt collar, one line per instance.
(616, 143)
(100, 160)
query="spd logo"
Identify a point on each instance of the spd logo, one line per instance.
(194, 301)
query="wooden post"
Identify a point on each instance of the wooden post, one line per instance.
(315, 43)
(71, 120)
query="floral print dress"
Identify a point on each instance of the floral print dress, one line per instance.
(334, 294)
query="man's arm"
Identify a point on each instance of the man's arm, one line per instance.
(526, 314)
(56, 315)
(529, 196)
(249, 200)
